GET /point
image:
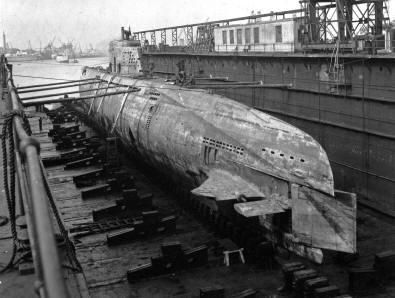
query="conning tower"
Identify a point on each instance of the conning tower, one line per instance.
(125, 54)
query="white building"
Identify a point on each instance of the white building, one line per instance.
(268, 36)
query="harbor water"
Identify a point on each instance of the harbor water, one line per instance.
(49, 71)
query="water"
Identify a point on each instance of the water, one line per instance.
(49, 71)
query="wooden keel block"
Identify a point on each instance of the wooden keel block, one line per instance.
(288, 270)
(171, 249)
(72, 144)
(21, 222)
(64, 118)
(146, 199)
(74, 153)
(23, 236)
(85, 162)
(151, 217)
(26, 268)
(212, 292)
(311, 284)
(139, 272)
(77, 135)
(197, 256)
(126, 181)
(95, 190)
(361, 280)
(88, 175)
(168, 223)
(249, 293)
(326, 292)
(60, 131)
(265, 255)
(122, 236)
(130, 197)
(384, 263)
(99, 214)
(114, 184)
(300, 277)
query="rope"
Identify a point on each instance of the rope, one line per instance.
(9, 187)
(9, 179)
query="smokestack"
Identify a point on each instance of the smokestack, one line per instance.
(122, 33)
(4, 43)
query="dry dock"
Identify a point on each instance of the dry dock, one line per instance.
(80, 186)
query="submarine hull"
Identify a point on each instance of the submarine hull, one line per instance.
(229, 154)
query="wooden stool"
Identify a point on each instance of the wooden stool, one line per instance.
(228, 252)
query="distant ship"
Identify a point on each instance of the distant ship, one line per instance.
(89, 53)
(62, 58)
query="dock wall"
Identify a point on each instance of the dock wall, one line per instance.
(348, 110)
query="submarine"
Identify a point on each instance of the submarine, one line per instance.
(233, 157)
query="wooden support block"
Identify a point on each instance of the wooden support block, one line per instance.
(146, 199)
(171, 249)
(121, 236)
(326, 292)
(72, 144)
(21, 222)
(311, 284)
(95, 190)
(102, 213)
(23, 236)
(301, 276)
(249, 293)
(129, 196)
(85, 162)
(132, 202)
(160, 265)
(74, 153)
(26, 268)
(151, 217)
(125, 179)
(361, 280)
(114, 183)
(264, 254)
(384, 263)
(71, 129)
(197, 256)
(139, 272)
(60, 131)
(77, 135)
(88, 175)
(212, 292)
(66, 118)
(168, 222)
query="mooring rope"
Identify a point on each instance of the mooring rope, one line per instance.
(9, 178)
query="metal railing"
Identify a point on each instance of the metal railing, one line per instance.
(33, 191)
(364, 45)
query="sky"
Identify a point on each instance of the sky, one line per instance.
(87, 22)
